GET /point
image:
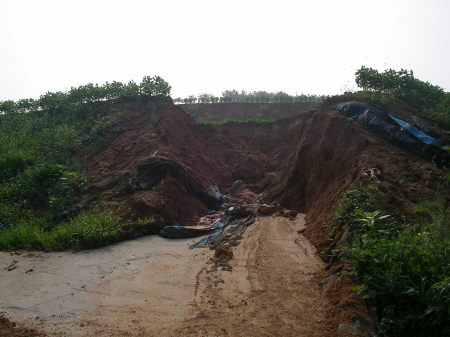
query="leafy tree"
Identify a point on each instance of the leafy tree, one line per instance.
(154, 86)
(130, 91)
(26, 105)
(206, 98)
(114, 90)
(229, 96)
(53, 102)
(230, 93)
(7, 106)
(401, 84)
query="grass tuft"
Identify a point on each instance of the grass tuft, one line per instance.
(88, 230)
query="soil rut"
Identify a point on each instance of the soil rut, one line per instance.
(271, 291)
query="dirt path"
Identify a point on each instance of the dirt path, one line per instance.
(270, 292)
(158, 287)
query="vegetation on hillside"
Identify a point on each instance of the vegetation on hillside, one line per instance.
(234, 96)
(38, 179)
(384, 88)
(403, 266)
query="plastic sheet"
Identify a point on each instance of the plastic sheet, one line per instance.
(417, 133)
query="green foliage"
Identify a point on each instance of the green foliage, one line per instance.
(25, 234)
(356, 199)
(440, 112)
(88, 230)
(401, 84)
(154, 87)
(151, 88)
(212, 125)
(244, 121)
(50, 186)
(405, 270)
(383, 88)
(37, 139)
(12, 164)
(146, 222)
(146, 226)
(233, 96)
(207, 124)
(373, 97)
(34, 166)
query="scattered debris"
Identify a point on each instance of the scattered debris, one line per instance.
(372, 173)
(12, 266)
(222, 256)
(291, 214)
(268, 209)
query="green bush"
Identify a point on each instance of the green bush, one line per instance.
(51, 186)
(405, 269)
(207, 124)
(358, 198)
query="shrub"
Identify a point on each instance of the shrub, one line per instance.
(405, 270)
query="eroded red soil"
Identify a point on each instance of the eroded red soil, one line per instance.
(301, 162)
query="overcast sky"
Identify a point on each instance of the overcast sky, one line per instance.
(311, 47)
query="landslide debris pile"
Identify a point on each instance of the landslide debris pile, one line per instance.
(148, 174)
(166, 169)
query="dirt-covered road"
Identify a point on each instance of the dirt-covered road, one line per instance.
(271, 291)
(154, 286)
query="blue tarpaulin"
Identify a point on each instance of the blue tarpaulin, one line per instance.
(417, 133)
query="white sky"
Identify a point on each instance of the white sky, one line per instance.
(311, 47)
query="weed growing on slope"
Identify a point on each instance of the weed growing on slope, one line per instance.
(404, 268)
(208, 124)
(358, 198)
(90, 229)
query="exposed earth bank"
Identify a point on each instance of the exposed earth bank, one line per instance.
(219, 112)
(302, 163)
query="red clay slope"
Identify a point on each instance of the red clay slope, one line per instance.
(301, 162)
